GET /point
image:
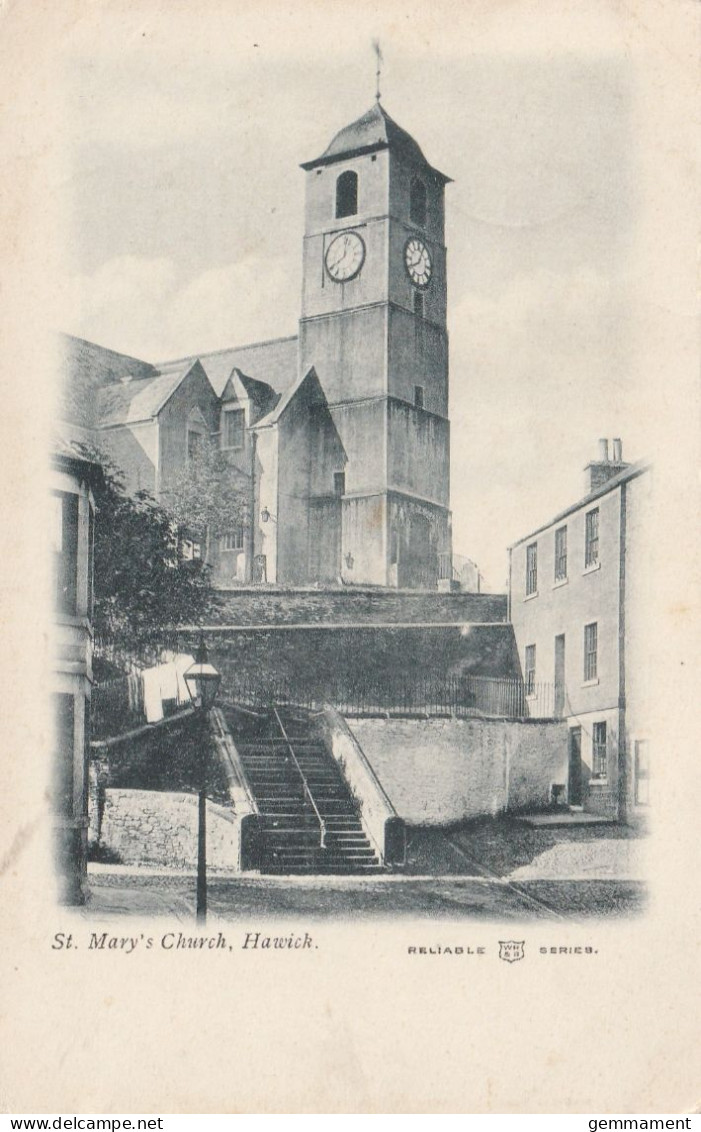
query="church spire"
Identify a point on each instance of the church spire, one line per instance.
(378, 53)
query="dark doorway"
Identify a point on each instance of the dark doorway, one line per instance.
(418, 566)
(574, 789)
(560, 676)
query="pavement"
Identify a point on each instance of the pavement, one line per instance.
(488, 870)
(511, 849)
(240, 899)
(566, 818)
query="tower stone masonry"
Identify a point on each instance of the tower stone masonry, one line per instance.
(373, 327)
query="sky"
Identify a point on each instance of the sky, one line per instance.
(184, 223)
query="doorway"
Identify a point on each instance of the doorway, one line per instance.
(574, 786)
(559, 704)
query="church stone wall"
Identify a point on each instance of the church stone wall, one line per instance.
(361, 430)
(419, 534)
(325, 540)
(401, 289)
(134, 448)
(418, 457)
(320, 207)
(418, 355)
(293, 493)
(347, 351)
(194, 392)
(364, 536)
(266, 494)
(327, 453)
(401, 173)
(321, 294)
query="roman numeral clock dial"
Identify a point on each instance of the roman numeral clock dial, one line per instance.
(417, 260)
(345, 256)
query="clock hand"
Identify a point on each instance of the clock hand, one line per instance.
(337, 258)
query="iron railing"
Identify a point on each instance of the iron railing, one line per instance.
(451, 696)
(117, 703)
(305, 785)
(116, 706)
(445, 567)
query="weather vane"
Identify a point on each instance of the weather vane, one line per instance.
(378, 53)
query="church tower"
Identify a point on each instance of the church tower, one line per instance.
(373, 327)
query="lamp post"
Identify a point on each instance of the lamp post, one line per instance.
(202, 680)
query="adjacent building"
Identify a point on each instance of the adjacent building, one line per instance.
(579, 586)
(72, 532)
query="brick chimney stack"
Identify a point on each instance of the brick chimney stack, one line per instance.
(603, 469)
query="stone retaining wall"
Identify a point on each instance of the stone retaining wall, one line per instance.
(337, 660)
(439, 772)
(158, 828)
(282, 606)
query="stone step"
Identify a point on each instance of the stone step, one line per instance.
(320, 870)
(280, 823)
(289, 822)
(320, 859)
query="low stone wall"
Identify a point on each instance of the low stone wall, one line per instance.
(439, 772)
(348, 605)
(158, 828)
(335, 661)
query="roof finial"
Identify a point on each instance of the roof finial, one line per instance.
(378, 52)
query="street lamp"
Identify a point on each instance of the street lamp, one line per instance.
(203, 681)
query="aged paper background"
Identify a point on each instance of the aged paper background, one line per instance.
(358, 1025)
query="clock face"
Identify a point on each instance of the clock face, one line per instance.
(345, 256)
(417, 260)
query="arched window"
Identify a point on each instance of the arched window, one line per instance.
(417, 203)
(347, 194)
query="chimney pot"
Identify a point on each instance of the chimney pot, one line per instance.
(617, 450)
(604, 450)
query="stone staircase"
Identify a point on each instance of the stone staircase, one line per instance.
(309, 819)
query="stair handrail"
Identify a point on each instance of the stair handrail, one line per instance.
(305, 784)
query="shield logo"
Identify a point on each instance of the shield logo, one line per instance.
(511, 950)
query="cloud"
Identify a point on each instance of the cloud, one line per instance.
(538, 373)
(147, 307)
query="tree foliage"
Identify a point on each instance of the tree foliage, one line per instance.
(142, 588)
(208, 496)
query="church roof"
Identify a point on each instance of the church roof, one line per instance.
(272, 362)
(86, 367)
(138, 400)
(309, 382)
(373, 131)
(261, 395)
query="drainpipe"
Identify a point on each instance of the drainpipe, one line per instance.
(252, 540)
(623, 773)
